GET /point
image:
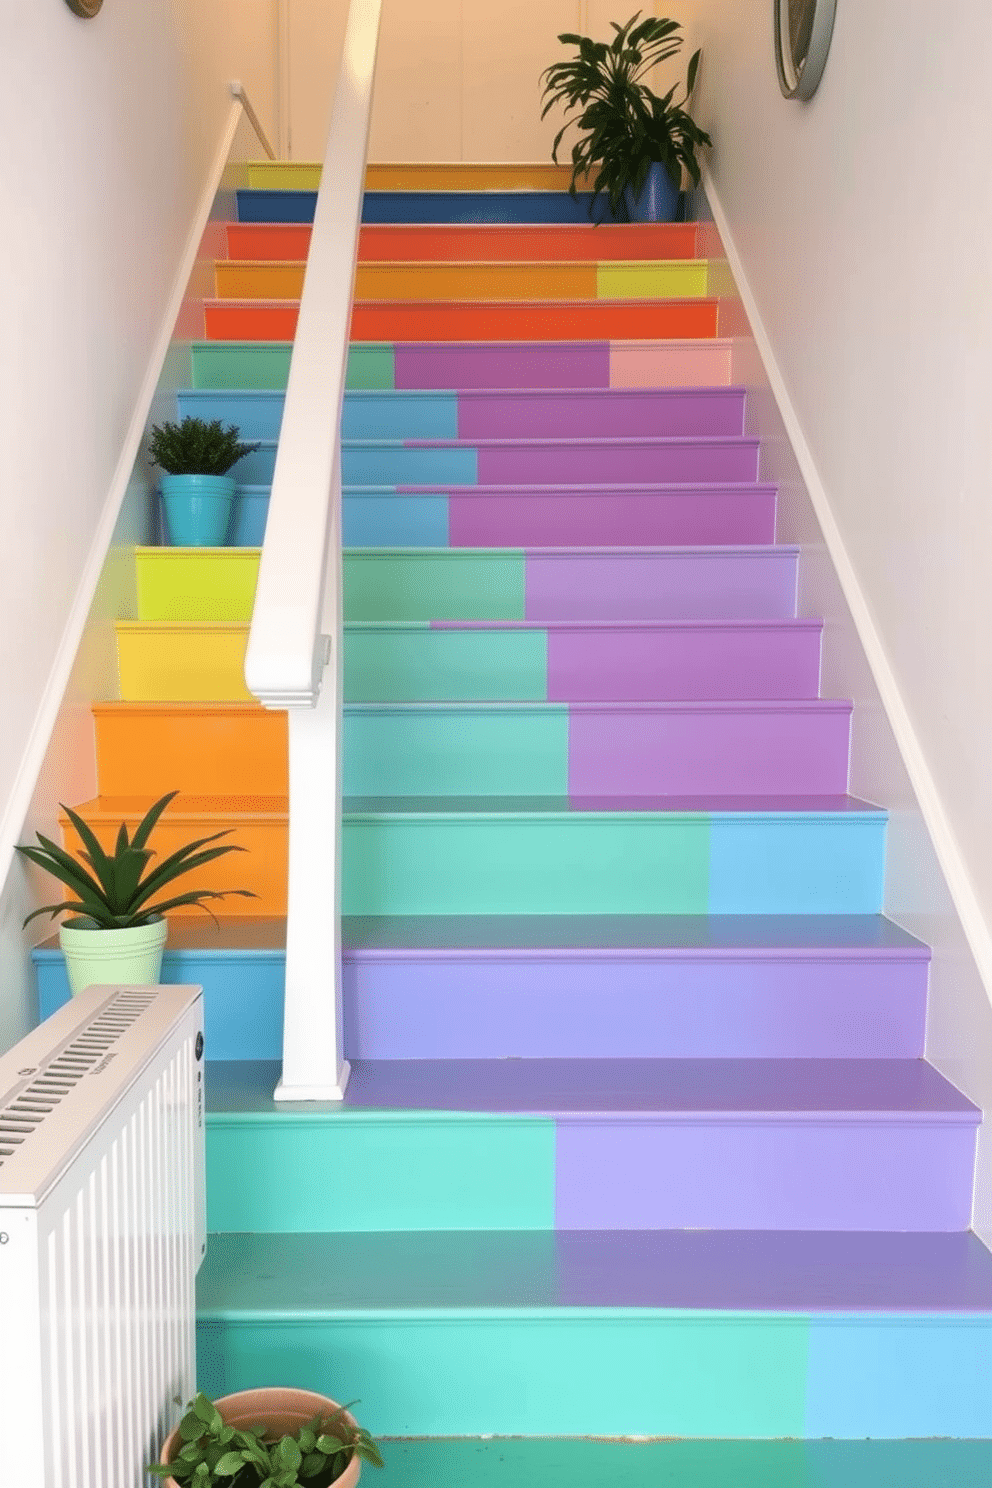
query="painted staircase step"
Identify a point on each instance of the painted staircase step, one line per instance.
(408, 176)
(468, 414)
(612, 855)
(535, 364)
(550, 516)
(479, 661)
(207, 749)
(264, 204)
(257, 826)
(711, 1144)
(534, 986)
(535, 243)
(259, 320)
(495, 462)
(739, 583)
(629, 279)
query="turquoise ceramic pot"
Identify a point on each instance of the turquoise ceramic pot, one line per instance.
(197, 509)
(657, 201)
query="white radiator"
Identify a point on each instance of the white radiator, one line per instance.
(102, 1229)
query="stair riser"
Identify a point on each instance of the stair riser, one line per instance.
(423, 206)
(465, 244)
(603, 364)
(198, 751)
(725, 1375)
(621, 414)
(589, 320)
(593, 753)
(219, 584)
(714, 1172)
(560, 517)
(414, 1006)
(593, 864)
(168, 663)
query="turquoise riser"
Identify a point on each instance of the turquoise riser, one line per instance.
(622, 1373)
(620, 863)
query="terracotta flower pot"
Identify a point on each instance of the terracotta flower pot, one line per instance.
(282, 1411)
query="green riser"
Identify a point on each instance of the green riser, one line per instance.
(447, 1173)
(533, 1374)
(463, 753)
(459, 585)
(419, 664)
(256, 365)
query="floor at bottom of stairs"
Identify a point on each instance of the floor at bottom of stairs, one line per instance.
(566, 1463)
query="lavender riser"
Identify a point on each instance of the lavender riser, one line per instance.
(537, 516)
(470, 414)
(529, 462)
(437, 1003)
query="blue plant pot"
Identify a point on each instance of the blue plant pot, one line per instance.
(658, 199)
(197, 509)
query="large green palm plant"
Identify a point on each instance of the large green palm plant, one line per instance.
(625, 126)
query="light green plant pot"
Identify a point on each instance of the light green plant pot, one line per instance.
(129, 958)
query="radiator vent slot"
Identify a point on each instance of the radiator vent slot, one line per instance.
(23, 1113)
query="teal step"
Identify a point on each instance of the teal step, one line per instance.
(467, 1334)
(264, 365)
(505, 855)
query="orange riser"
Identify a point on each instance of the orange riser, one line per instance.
(200, 749)
(259, 826)
(428, 243)
(606, 320)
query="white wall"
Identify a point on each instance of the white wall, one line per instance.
(115, 124)
(456, 80)
(861, 221)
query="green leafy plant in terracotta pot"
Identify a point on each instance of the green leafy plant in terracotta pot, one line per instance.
(116, 929)
(268, 1438)
(633, 145)
(197, 492)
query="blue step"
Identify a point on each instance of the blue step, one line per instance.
(423, 206)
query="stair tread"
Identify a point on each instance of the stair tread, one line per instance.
(729, 806)
(682, 936)
(248, 344)
(535, 1270)
(757, 551)
(795, 1090)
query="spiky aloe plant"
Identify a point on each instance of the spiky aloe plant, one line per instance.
(624, 126)
(119, 892)
(196, 447)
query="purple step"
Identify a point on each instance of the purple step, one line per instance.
(740, 1144)
(538, 461)
(609, 515)
(757, 748)
(536, 986)
(587, 414)
(559, 364)
(729, 583)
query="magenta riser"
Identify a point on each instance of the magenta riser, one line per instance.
(494, 1005)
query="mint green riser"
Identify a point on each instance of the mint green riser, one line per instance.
(610, 863)
(397, 663)
(456, 750)
(456, 585)
(531, 1373)
(431, 1172)
(265, 365)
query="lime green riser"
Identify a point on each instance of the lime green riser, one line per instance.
(219, 584)
(260, 365)
(616, 1373)
(432, 1172)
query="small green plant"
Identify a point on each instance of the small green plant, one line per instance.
(313, 1457)
(195, 447)
(118, 892)
(625, 126)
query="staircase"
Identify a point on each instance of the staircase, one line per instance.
(639, 1139)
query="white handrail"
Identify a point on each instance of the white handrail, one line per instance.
(238, 92)
(294, 657)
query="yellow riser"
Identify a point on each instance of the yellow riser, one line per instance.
(162, 662)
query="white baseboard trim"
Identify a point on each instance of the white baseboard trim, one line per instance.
(952, 864)
(19, 801)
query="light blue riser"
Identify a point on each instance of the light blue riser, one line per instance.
(384, 518)
(243, 995)
(393, 415)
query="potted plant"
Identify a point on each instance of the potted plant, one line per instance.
(266, 1438)
(116, 931)
(197, 492)
(634, 145)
